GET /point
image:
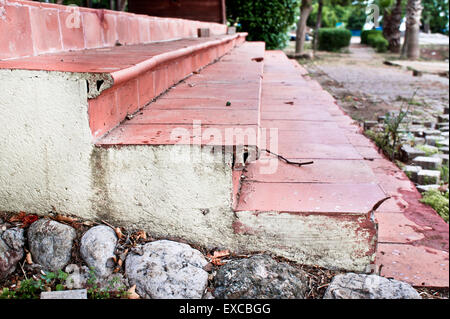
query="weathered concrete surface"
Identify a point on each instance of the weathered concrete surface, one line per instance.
(422, 66)
(343, 241)
(45, 144)
(318, 214)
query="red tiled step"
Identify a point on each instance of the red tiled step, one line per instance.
(131, 76)
(33, 28)
(320, 213)
(199, 106)
(309, 197)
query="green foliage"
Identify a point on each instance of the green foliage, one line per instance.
(427, 149)
(444, 174)
(333, 39)
(331, 14)
(390, 140)
(378, 42)
(365, 34)
(264, 20)
(26, 289)
(32, 288)
(357, 19)
(436, 12)
(114, 289)
(438, 201)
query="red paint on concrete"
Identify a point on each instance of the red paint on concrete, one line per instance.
(309, 197)
(413, 239)
(417, 265)
(199, 107)
(33, 28)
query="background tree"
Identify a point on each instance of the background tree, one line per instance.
(391, 25)
(305, 10)
(264, 20)
(411, 48)
(435, 16)
(357, 18)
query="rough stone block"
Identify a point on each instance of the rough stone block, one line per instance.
(425, 188)
(431, 132)
(419, 140)
(428, 177)
(442, 142)
(443, 118)
(428, 163)
(431, 139)
(369, 124)
(443, 157)
(428, 123)
(409, 153)
(412, 171)
(442, 124)
(443, 149)
(65, 294)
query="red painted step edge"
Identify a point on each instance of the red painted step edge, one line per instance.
(31, 28)
(136, 86)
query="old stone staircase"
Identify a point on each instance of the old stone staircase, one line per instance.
(184, 137)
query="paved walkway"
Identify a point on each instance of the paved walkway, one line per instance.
(412, 238)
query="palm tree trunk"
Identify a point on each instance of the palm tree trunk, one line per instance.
(305, 10)
(391, 27)
(413, 14)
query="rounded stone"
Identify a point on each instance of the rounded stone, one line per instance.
(51, 243)
(362, 286)
(97, 249)
(11, 250)
(167, 270)
(259, 277)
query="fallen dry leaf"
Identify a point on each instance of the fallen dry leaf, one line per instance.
(66, 219)
(221, 253)
(132, 293)
(119, 232)
(215, 258)
(18, 217)
(28, 258)
(141, 234)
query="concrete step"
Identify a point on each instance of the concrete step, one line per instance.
(171, 166)
(318, 214)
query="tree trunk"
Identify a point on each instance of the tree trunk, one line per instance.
(122, 5)
(413, 14)
(405, 45)
(391, 27)
(318, 25)
(305, 10)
